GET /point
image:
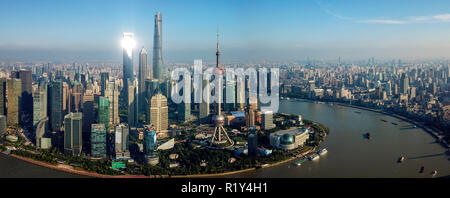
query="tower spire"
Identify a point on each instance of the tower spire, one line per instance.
(218, 51)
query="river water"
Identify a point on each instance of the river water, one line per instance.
(349, 153)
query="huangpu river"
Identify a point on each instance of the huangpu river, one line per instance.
(349, 155)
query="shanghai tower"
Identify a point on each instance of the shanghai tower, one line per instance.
(158, 71)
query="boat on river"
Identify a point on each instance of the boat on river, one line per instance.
(298, 163)
(367, 135)
(401, 159)
(434, 172)
(422, 168)
(314, 156)
(322, 151)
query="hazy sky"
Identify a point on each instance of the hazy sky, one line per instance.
(250, 30)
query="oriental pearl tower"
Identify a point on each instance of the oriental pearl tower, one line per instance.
(220, 134)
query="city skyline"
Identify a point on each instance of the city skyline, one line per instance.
(296, 30)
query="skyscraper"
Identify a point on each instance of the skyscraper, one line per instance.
(158, 70)
(14, 89)
(2, 96)
(104, 79)
(404, 83)
(128, 45)
(2, 125)
(73, 125)
(26, 107)
(103, 111)
(143, 74)
(267, 120)
(132, 103)
(204, 105)
(56, 105)
(88, 120)
(39, 103)
(159, 115)
(75, 96)
(128, 76)
(184, 108)
(230, 93)
(112, 93)
(151, 85)
(98, 141)
(149, 141)
(122, 133)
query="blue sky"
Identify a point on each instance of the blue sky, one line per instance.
(250, 29)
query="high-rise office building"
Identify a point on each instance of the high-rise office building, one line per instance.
(142, 76)
(252, 143)
(112, 93)
(128, 74)
(240, 93)
(122, 133)
(65, 97)
(267, 120)
(230, 93)
(2, 96)
(39, 103)
(14, 90)
(159, 115)
(151, 85)
(98, 141)
(104, 79)
(26, 107)
(149, 141)
(128, 45)
(250, 117)
(205, 102)
(132, 103)
(184, 108)
(88, 119)
(75, 96)
(73, 125)
(56, 105)
(2, 125)
(404, 83)
(158, 69)
(103, 111)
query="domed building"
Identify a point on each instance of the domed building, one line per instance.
(289, 139)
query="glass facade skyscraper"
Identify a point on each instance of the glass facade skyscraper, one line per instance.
(2, 96)
(149, 141)
(103, 111)
(98, 140)
(73, 125)
(56, 105)
(122, 133)
(128, 42)
(143, 74)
